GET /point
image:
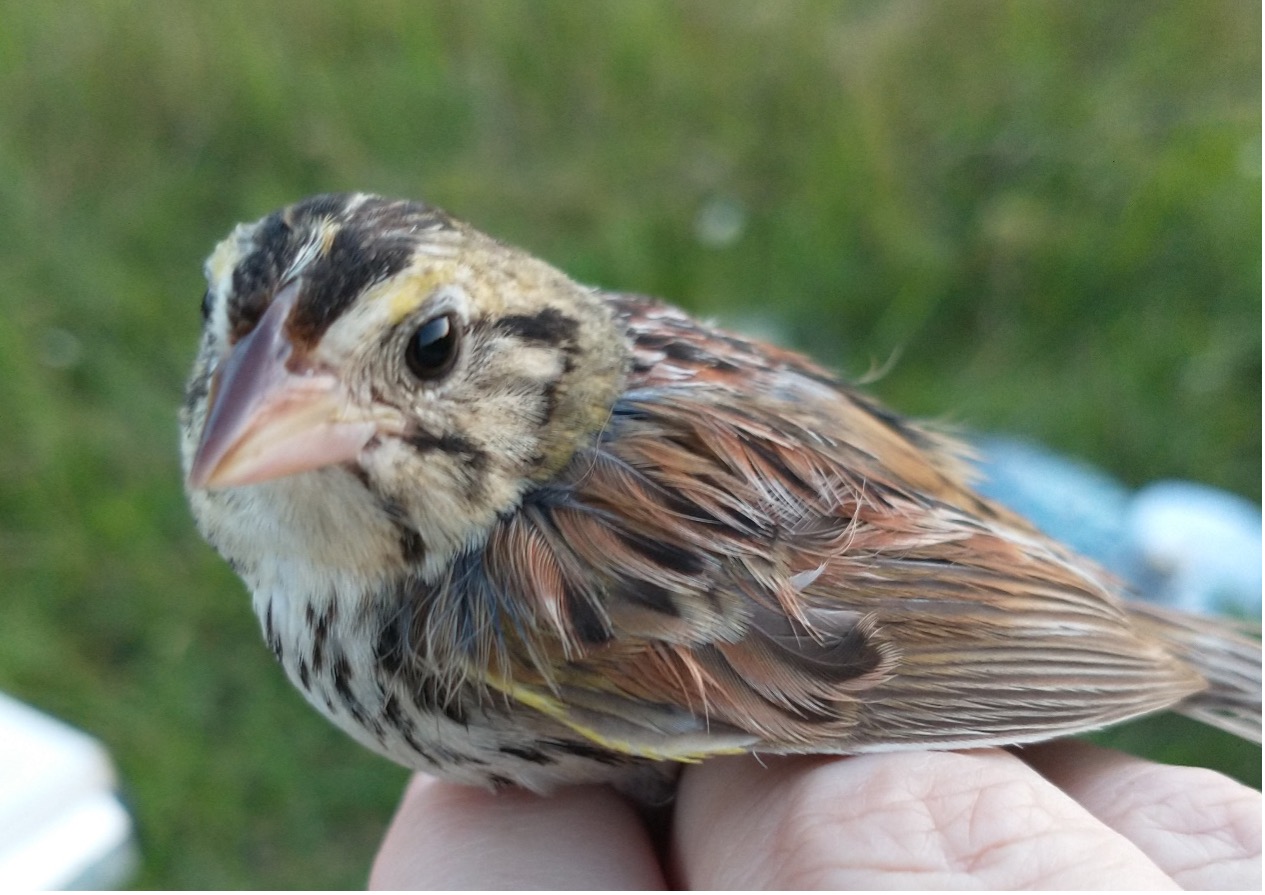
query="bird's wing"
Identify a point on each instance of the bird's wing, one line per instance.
(794, 569)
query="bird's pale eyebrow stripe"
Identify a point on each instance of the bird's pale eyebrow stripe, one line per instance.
(547, 327)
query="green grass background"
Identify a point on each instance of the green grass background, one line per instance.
(1047, 214)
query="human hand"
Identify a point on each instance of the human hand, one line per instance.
(1065, 815)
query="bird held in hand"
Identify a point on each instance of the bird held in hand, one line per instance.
(508, 529)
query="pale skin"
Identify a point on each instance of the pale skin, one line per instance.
(1065, 815)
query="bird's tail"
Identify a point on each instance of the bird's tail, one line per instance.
(1226, 653)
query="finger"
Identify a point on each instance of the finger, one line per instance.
(910, 820)
(1199, 827)
(446, 836)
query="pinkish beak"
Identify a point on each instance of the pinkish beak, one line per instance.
(266, 420)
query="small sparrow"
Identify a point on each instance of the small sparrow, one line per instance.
(511, 530)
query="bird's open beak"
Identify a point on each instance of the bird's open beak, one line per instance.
(267, 421)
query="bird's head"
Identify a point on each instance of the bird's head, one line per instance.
(371, 364)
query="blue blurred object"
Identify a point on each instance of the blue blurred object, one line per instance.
(1200, 548)
(1181, 544)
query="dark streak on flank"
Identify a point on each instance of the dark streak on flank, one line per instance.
(270, 633)
(305, 677)
(395, 715)
(389, 649)
(320, 633)
(428, 698)
(416, 746)
(584, 750)
(341, 670)
(526, 753)
(401, 722)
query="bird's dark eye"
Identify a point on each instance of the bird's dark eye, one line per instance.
(432, 349)
(206, 306)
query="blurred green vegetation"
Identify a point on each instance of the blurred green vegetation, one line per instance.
(1047, 215)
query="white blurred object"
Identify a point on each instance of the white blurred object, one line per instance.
(1200, 547)
(61, 824)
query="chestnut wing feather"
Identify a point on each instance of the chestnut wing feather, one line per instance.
(804, 569)
(753, 555)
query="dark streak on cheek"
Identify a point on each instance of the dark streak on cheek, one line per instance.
(473, 460)
(448, 443)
